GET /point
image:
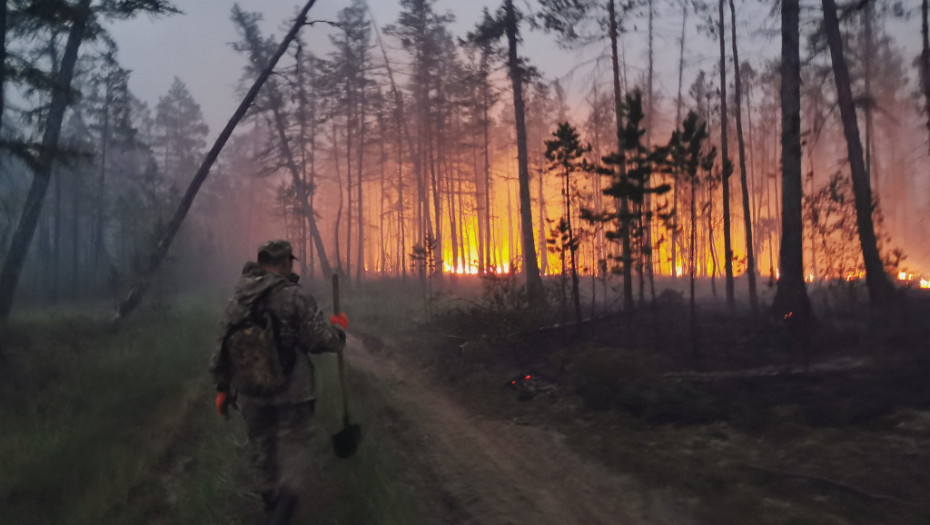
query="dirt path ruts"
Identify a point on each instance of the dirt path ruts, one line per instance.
(493, 472)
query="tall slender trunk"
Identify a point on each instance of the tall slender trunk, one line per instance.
(56, 252)
(925, 58)
(576, 295)
(487, 168)
(867, 15)
(350, 124)
(337, 252)
(101, 181)
(725, 162)
(791, 295)
(76, 235)
(3, 11)
(621, 168)
(534, 288)
(32, 210)
(692, 266)
(678, 105)
(541, 198)
(747, 210)
(360, 150)
(881, 290)
(382, 255)
(135, 295)
(302, 137)
(402, 252)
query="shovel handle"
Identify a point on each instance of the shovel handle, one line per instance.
(339, 357)
(336, 307)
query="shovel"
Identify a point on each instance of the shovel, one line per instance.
(345, 442)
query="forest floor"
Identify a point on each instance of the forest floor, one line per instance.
(618, 422)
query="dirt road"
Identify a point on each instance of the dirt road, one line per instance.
(477, 470)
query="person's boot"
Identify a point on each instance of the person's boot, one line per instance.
(268, 500)
(284, 507)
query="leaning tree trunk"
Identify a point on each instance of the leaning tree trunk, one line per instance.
(621, 168)
(534, 286)
(42, 169)
(791, 295)
(880, 288)
(145, 280)
(747, 210)
(727, 166)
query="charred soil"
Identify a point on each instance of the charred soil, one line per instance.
(750, 429)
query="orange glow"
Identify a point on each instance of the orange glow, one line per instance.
(925, 284)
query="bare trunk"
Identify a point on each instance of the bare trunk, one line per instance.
(747, 210)
(3, 10)
(925, 58)
(624, 202)
(725, 163)
(135, 296)
(881, 290)
(360, 222)
(42, 171)
(534, 286)
(791, 295)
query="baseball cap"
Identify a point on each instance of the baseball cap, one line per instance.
(276, 250)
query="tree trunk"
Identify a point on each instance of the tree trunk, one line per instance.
(678, 105)
(692, 267)
(338, 222)
(350, 122)
(881, 290)
(747, 210)
(624, 202)
(29, 220)
(791, 295)
(534, 288)
(155, 260)
(3, 10)
(727, 166)
(360, 222)
(925, 58)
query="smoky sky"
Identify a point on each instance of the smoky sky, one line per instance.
(195, 47)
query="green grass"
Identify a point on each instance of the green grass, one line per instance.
(119, 427)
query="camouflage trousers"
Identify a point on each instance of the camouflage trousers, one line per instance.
(280, 449)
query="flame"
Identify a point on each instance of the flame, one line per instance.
(679, 271)
(469, 269)
(925, 284)
(810, 278)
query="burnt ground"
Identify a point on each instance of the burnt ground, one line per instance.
(753, 428)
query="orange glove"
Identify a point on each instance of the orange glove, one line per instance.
(222, 404)
(340, 319)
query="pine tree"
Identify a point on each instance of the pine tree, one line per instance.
(881, 291)
(567, 156)
(77, 18)
(791, 295)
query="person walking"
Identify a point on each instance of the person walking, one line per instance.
(262, 364)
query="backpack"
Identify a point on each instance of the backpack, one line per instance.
(260, 366)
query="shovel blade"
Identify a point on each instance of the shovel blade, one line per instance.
(345, 442)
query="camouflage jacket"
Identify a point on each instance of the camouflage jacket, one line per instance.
(301, 327)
